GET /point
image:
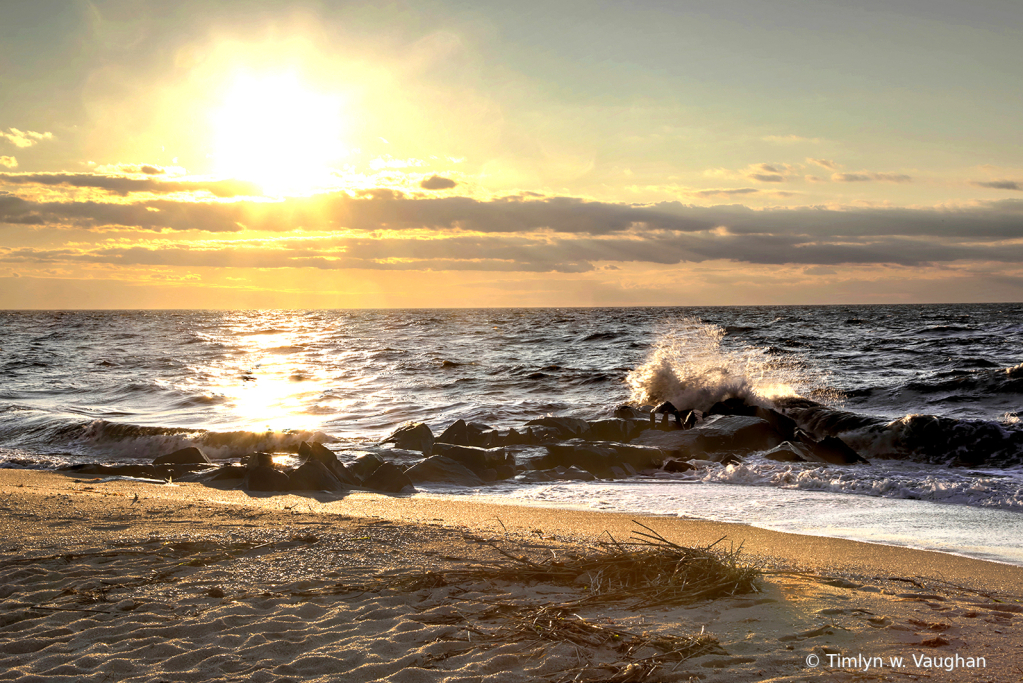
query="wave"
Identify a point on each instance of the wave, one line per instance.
(691, 368)
(976, 489)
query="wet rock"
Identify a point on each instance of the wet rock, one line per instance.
(228, 473)
(676, 444)
(263, 478)
(184, 456)
(443, 470)
(676, 465)
(733, 406)
(787, 452)
(477, 459)
(481, 435)
(736, 433)
(387, 478)
(137, 471)
(317, 452)
(784, 425)
(534, 477)
(313, 475)
(639, 457)
(830, 449)
(457, 434)
(365, 465)
(627, 412)
(596, 459)
(260, 460)
(614, 430)
(414, 436)
(667, 410)
(566, 427)
(571, 474)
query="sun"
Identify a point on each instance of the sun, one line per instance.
(274, 131)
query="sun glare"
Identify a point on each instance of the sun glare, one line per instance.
(275, 132)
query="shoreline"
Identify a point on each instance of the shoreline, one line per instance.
(80, 555)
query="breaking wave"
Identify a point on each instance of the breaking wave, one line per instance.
(690, 367)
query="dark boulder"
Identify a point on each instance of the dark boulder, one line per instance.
(315, 476)
(262, 478)
(476, 459)
(457, 434)
(260, 460)
(317, 452)
(736, 433)
(783, 424)
(594, 458)
(677, 466)
(443, 470)
(733, 406)
(414, 436)
(481, 435)
(387, 478)
(565, 427)
(627, 412)
(613, 430)
(787, 452)
(830, 449)
(227, 473)
(570, 474)
(677, 444)
(364, 466)
(640, 457)
(184, 456)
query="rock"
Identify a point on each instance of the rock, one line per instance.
(677, 466)
(457, 434)
(365, 465)
(737, 433)
(571, 474)
(726, 459)
(612, 430)
(476, 459)
(260, 460)
(479, 434)
(830, 449)
(784, 425)
(185, 456)
(665, 409)
(226, 473)
(513, 438)
(786, 452)
(639, 457)
(319, 453)
(387, 478)
(733, 406)
(443, 470)
(566, 427)
(137, 471)
(595, 459)
(262, 478)
(414, 436)
(534, 477)
(627, 412)
(681, 443)
(315, 476)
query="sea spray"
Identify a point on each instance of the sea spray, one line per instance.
(690, 367)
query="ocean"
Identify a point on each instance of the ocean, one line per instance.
(929, 394)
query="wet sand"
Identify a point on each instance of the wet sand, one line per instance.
(123, 580)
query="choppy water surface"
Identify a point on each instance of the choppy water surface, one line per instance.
(126, 386)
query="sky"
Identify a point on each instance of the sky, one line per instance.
(445, 154)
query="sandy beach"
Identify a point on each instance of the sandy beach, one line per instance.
(131, 581)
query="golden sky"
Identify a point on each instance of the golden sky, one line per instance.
(436, 154)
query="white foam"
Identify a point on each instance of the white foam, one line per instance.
(691, 368)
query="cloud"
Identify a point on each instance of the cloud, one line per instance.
(435, 182)
(867, 177)
(823, 163)
(24, 138)
(767, 177)
(9, 162)
(123, 185)
(788, 139)
(999, 184)
(726, 192)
